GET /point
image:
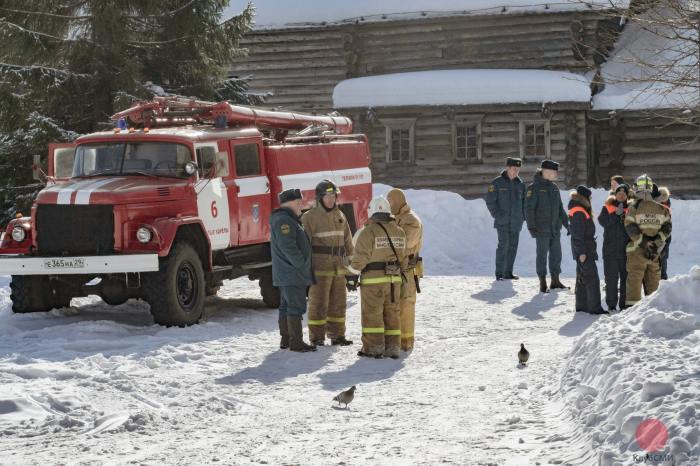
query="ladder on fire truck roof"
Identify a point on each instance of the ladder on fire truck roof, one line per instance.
(180, 111)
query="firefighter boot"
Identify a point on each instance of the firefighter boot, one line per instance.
(341, 341)
(296, 336)
(284, 332)
(556, 284)
(543, 285)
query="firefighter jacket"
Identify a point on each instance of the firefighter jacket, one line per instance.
(544, 211)
(409, 222)
(506, 202)
(373, 250)
(290, 249)
(582, 228)
(647, 220)
(615, 237)
(331, 239)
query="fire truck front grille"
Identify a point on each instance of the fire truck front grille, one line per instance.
(75, 229)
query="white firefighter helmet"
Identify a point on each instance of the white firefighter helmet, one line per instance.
(644, 183)
(379, 205)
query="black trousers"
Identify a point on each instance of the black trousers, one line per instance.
(587, 286)
(615, 273)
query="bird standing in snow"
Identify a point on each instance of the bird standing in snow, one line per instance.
(523, 354)
(345, 397)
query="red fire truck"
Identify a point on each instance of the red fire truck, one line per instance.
(172, 202)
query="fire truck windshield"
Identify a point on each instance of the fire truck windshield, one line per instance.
(133, 158)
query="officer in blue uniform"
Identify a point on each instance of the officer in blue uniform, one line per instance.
(291, 268)
(545, 216)
(506, 203)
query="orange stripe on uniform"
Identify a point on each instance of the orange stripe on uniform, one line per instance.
(576, 209)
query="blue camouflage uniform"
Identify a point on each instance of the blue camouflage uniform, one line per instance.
(545, 216)
(505, 201)
(291, 261)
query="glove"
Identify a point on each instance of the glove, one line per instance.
(568, 232)
(534, 232)
(620, 209)
(651, 250)
(352, 282)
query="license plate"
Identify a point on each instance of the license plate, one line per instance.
(72, 263)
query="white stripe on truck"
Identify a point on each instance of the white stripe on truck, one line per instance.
(308, 181)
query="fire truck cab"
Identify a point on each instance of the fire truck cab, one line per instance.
(172, 202)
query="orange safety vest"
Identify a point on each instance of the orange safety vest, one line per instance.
(611, 208)
(578, 208)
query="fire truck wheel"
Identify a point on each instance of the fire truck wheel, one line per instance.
(176, 293)
(30, 293)
(270, 294)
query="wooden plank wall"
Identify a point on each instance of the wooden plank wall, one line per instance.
(669, 153)
(302, 66)
(435, 166)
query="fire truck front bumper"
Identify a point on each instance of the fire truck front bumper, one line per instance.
(78, 265)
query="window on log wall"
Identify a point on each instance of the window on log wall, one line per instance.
(534, 140)
(399, 141)
(467, 142)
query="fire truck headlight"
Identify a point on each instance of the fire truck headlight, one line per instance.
(144, 235)
(18, 234)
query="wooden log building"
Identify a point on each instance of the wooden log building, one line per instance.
(460, 145)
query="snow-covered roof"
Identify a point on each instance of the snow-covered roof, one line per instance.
(462, 87)
(641, 71)
(279, 14)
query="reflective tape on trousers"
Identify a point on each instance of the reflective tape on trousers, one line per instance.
(336, 319)
(392, 333)
(317, 322)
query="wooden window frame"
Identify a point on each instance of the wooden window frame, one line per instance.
(547, 138)
(399, 124)
(464, 123)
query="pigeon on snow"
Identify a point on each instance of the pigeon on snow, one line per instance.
(523, 354)
(345, 397)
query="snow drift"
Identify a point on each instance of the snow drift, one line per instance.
(641, 364)
(460, 238)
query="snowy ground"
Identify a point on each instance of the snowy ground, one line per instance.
(106, 386)
(109, 386)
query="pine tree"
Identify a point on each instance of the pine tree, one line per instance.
(67, 65)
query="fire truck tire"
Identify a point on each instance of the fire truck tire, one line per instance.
(30, 293)
(269, 293)
(176, 293)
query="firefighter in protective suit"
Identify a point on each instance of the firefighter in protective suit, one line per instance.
(331, 244)
(648, 225)
(379, 262)
(412, 226)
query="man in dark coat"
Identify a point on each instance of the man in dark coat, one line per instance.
(505, 201)
(545, 216)
(615, 239)
(584, 249)
(291, 268)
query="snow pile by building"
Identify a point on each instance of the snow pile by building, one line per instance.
(462, 87)
(642, 364)
(273, 14)
(460, 238)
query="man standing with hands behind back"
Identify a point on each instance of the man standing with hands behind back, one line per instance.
(505, 201)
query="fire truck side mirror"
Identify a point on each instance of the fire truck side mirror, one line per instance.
(190, 168)
(37, 172)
